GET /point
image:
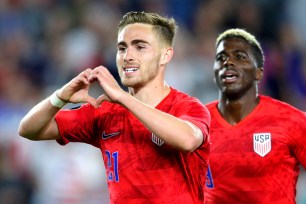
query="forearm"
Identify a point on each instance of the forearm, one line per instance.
(39, 123)
(174, 131)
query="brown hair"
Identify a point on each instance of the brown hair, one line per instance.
(165, 27)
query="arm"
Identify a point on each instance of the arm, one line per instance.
(39, 123)
(176, 132)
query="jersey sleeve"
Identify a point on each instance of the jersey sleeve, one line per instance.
(76, 125)
(195, 112)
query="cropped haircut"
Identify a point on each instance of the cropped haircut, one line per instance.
(165, 27)
(249, 38)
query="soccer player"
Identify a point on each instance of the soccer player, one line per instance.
(258, 143)
(154, 139)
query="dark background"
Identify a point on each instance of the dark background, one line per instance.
(44, 43)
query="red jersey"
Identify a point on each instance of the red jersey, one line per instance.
(256, 160)
(140, 167)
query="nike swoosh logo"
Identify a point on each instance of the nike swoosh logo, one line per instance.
(106, 136)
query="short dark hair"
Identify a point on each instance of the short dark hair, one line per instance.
(165, 27)
(249, 38)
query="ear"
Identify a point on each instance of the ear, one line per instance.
(167, 54)
(259, 73)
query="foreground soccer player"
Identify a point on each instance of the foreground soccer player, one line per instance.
(154, 139)
(258, 142)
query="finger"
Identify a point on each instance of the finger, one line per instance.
(100, 71)
(92, 78)
(84, 76)
(105, 72)
(102, 98)
(92, 101)
(95, 75)
(103, 75)
(87, 73)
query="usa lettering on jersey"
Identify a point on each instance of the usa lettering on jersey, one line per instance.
(262, 143)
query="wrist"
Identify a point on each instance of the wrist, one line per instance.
(56, 101)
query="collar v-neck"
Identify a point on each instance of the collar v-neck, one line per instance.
(226, 124)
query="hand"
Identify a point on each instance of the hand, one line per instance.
(112, 90)
(76, 91)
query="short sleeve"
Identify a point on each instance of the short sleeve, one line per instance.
(76, 125)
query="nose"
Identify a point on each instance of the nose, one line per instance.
(128, 55)
(228, 61)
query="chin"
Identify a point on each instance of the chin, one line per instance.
(232, 94)
(128, 83)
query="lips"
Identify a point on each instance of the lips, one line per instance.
(229, 76)
(130, 69)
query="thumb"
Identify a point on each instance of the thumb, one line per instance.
(102, 98)
(92, 101)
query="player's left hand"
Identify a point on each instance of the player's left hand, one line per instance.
(111, 88)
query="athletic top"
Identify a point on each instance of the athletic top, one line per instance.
(257, 160)
(140, 167)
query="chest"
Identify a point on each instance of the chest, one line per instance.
(251, 145)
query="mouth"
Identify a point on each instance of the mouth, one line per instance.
(130, 69)
(229, 76)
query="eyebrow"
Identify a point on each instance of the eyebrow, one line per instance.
(134, 42)
(235, 51)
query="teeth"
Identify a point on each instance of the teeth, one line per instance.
(229, 76)
(130, 69)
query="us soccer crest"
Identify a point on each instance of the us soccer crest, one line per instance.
(156, 140)
(262, 143)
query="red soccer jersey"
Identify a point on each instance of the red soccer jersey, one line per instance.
(140, 167)
(256, 160)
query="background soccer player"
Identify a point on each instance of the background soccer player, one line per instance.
(154, 139)
(258, 143)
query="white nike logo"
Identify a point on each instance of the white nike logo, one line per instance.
(106, 136)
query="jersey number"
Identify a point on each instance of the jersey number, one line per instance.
(209, 178)
(112, 166)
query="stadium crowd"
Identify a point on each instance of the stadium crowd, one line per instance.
(46, 42)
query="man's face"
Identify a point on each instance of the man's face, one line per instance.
(138, 55)
(235, 68)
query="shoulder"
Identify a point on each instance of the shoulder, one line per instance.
(212, 105)
(282, 110)
(272, 104)
(181, 102)
(180, 98)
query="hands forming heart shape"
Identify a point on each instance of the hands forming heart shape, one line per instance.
(77, 90)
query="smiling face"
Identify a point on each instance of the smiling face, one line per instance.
(235, 68)
(139, 52)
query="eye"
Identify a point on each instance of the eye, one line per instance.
(221, 57)
(140, 47)
(121, 48)
(240, 56)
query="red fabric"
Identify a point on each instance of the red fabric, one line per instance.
(138, 170)
(238, 173)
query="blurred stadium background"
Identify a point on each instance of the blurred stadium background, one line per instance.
(44, 43)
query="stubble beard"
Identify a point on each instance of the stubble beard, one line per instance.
(129, 82)
(234, 93)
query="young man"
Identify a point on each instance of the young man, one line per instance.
(258, 143)
(154, 139)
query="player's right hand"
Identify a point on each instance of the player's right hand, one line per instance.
(76, 91)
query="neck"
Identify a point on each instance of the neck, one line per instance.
(151, 95)
(235, 110)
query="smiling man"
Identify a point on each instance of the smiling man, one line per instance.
(258, 143)
(153, 138)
